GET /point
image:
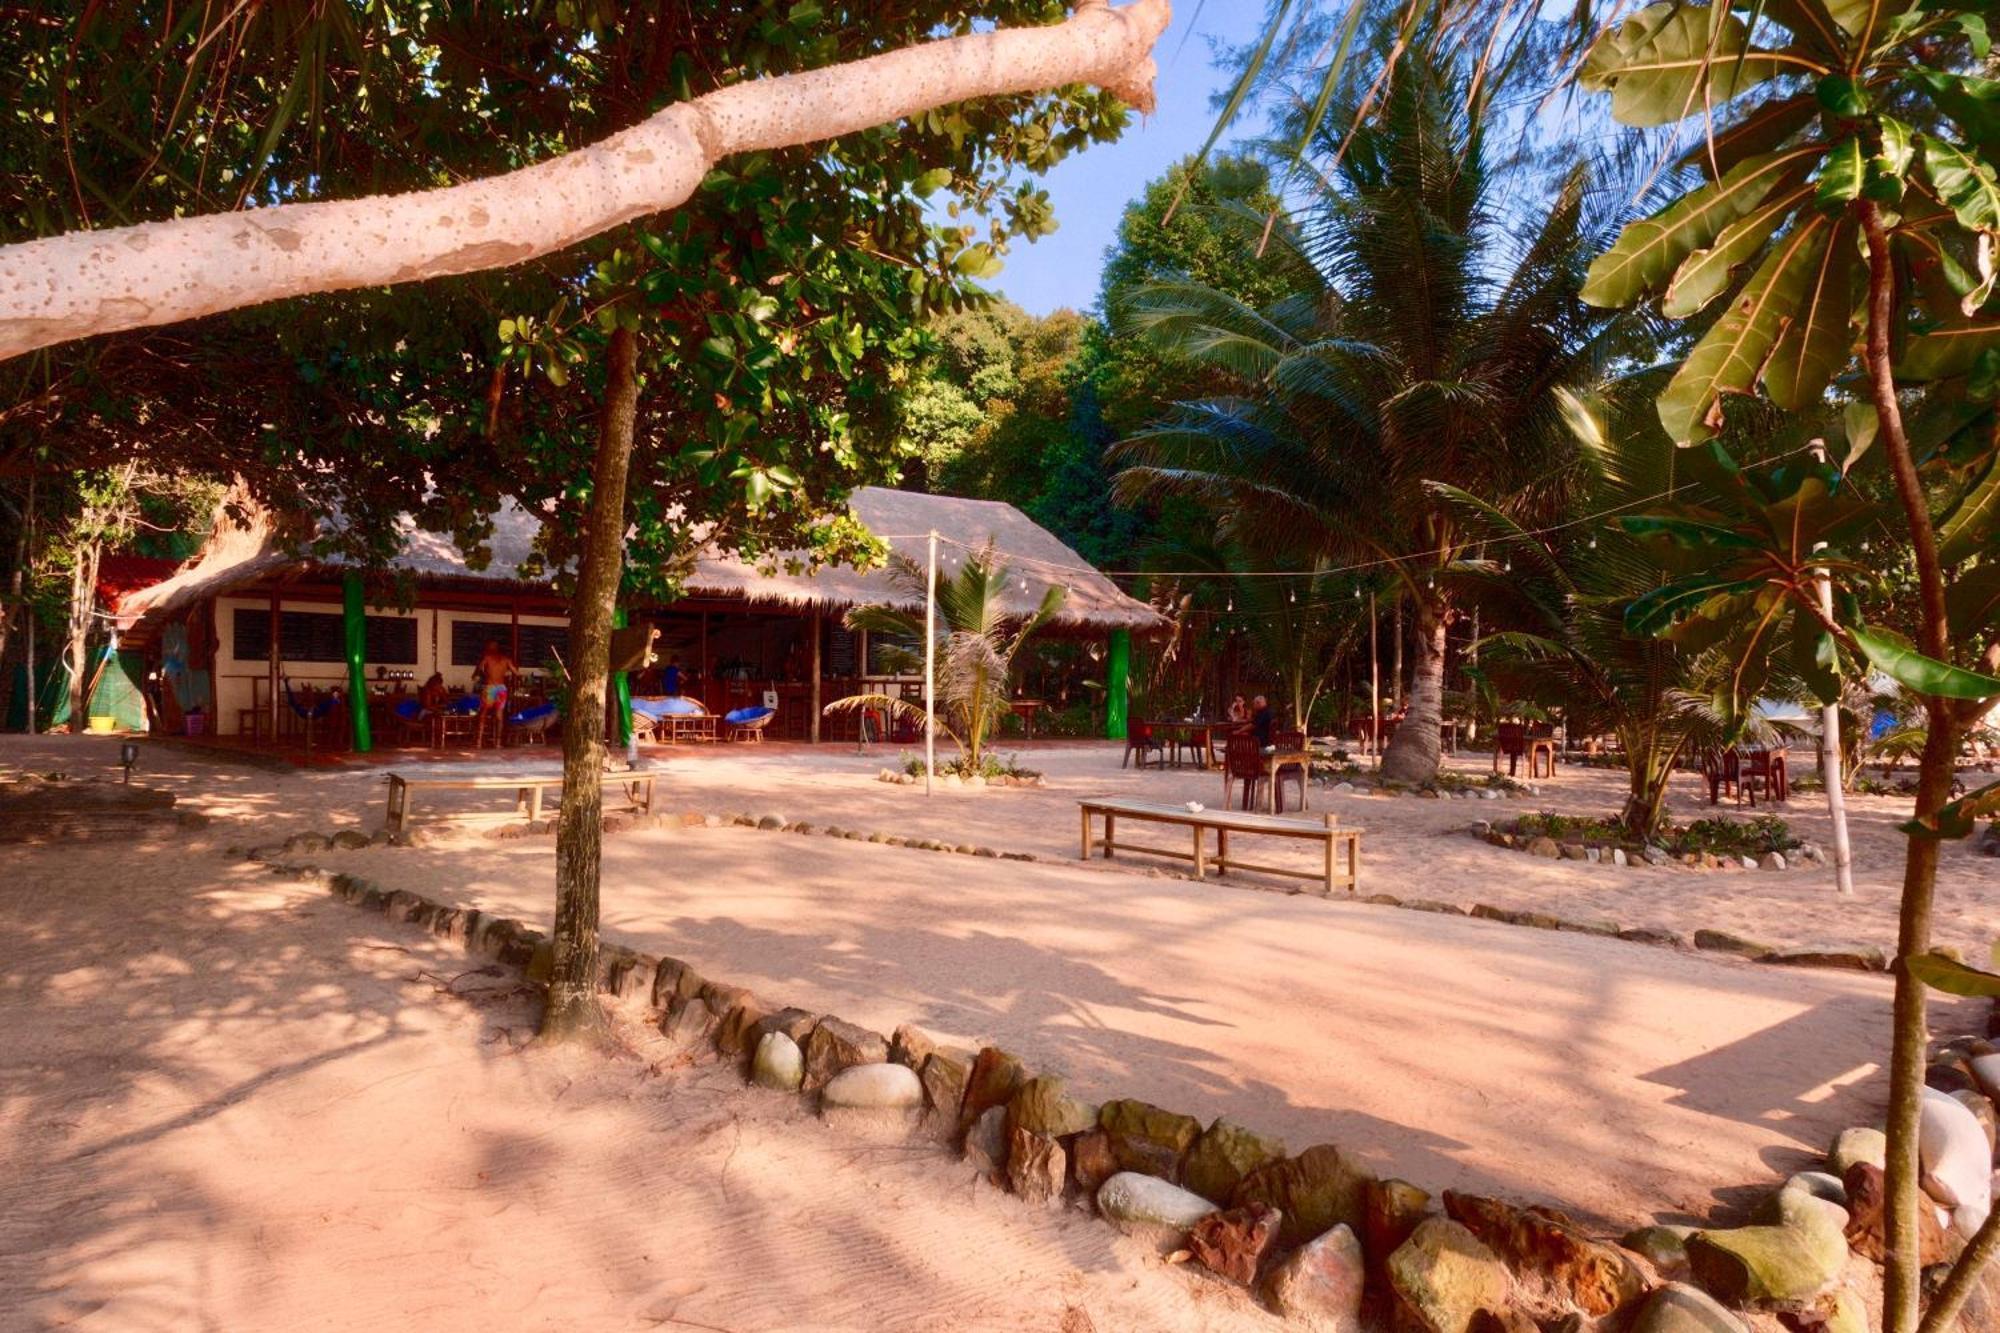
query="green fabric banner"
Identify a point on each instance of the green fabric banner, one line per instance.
(621, 688)
(1117, 678)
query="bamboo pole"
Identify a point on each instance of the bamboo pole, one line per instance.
(930, 663)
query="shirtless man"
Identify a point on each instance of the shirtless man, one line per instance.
(495, 669)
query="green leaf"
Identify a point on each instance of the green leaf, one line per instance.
(1760, 130)
(1732, 355)
(1965, 529)
(1860, 17)
(1976, 34)
(1963, 182)
(1972, 103)
(931, 181)
(1659, 610)
(1819, 341)
(1943, 973)
(1688, 532)
(1838, 95)
(1841, 178)
(1810, 23)
(1894, 657)
(1815, 656)
(1668, 61)
(1862, 423)
(1708, 273)
(1649, 250)
(1973, 602)
(1959, 818)
(1946, 352)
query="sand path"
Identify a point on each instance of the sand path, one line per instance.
(229, 1103)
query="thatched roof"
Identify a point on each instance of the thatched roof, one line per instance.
(242, 550)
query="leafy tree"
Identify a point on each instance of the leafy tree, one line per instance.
(1849, 177)
(1420, 338)
(744, 339)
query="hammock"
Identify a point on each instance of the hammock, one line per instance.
(319, 709)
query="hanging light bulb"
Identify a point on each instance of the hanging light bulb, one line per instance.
(1593, 543)
(1507, 568)
(1357, 594)
(1295, 596)
(1232, 604)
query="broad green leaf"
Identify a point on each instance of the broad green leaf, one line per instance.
(1668, 61)
(1657, 611)
(930, 182)
(1819, 341)
(1862, 423)
(1688, 532)
(1838, 95)
(1899, 144)
(1972, 103)
(1947, 974)
(1864, 18)
(1973, 602)
(1732, 355)
(1809, 22)
(1841, 178)
(1760, 130)
(1892, 655)
(1649, 250)
(1963, 182)
(1708, 273)
(1948, 351)
(1815, 656)
(1958, 819)
(1967, 528)
(1976, 34)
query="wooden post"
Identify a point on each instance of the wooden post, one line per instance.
(930, 671)
(1374, 686)
(816, 635)
(275, 667)
(707, 691)
(514, 641)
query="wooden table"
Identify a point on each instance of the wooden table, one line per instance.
(1273, 762)
(1025, 709)
(1225, 822)
(1197, 736)
(527, 789)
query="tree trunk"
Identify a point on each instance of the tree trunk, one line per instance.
(572, 1005)
(1413, 754)
(1651, 774)
(92, 282)
(1903, 1276)
(1396, 637)
(82, 605)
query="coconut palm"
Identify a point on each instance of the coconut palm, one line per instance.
(1422, 339)
(981, 637)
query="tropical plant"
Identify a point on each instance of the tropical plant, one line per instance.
(1424, 336)
(1847, 168)
(1560, 595)
(981, 636)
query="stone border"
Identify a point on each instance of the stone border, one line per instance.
(1313, 1235)
(1621, 854)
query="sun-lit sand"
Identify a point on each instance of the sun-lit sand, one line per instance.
(223, 1094)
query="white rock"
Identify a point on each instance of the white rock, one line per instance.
(778, 1064)
(1772, 861)
(1957, 1160)
(1343, 789)
(1141, 1203)
(1318, 1287)
(879, 1087)
(1986, 1068)
(1618, 857)
(1746, 862)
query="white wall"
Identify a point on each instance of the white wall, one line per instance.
(240, 684)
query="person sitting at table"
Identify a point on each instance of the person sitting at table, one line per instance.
(434, 695)
(1239, 712)
(1262, 720)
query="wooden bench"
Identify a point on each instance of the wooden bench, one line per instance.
(527, 789)
(1226, 822)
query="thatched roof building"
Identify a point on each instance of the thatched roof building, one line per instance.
(240, 555)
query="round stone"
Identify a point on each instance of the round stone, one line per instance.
(778, 1063)
(876, 1087)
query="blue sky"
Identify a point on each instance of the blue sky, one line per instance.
(1091, 189)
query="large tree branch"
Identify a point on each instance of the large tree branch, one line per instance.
(91, 282)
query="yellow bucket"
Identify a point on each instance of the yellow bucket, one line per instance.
(101, 725)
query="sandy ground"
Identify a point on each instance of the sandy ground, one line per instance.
(232, 1103)
(226, 1093)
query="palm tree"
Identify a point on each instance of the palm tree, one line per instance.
(981, 637)
(1424, 337)
(1561, 597)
